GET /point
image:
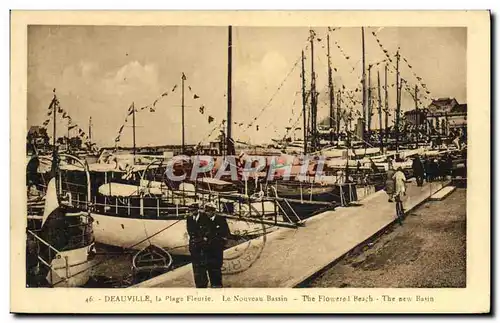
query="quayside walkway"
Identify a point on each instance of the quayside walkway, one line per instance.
(288, 256)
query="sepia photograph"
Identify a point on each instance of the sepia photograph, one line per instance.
(322, 158)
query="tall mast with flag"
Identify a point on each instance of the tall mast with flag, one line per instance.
(229, 140)
(183, 78)
(363, 79)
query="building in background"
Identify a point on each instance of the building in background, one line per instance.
(444, 116)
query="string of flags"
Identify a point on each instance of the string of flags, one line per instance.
(274, 95)
(55, 107)
(151, 107)
(418, 78)
(386, 52)
(201, 109)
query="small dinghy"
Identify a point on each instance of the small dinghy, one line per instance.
(150, 261)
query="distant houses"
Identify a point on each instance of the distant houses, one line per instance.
(443, 116)
(37, 136)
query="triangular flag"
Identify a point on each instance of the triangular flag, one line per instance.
(173, 89)
(210, 119)
(196, 97)
(164, 94)
(202, 109)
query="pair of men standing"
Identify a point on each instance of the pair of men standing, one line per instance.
(208, 233)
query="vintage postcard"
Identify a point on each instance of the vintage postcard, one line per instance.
(250, 162)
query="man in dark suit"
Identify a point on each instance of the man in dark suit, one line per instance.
(418, 170)
(208, 233)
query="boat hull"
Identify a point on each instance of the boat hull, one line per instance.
(170, 234)
(78, 269)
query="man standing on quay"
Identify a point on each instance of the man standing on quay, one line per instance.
(418, 170)
(208, 233)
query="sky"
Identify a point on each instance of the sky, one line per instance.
(98, 71)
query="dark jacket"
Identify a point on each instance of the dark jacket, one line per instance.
(207, 232)
(418, 167)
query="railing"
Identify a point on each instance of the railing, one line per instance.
(51, 254)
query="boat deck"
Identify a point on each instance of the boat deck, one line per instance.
(291, 256)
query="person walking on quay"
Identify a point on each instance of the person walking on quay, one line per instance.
(418, 170)
(400, 192)
(389, 182)
(208, 233)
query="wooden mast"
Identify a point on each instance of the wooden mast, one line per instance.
(380, 113)
(90, 132)
(133, 130)
(417, 116)
(313, 94)
(398, 95)
(363, 79)
(54, 107)
(369, 103)
(183, 147)
(304, 103)
(386, 106)
(337, 118)
(331, 91)
(67, 136)
(229, 140)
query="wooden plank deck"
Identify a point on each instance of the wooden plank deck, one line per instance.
(290, 256)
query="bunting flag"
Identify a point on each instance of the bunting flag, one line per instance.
(419, 79)
(210, 119)
(151, 109)
(173, 89)
(46, 122)
(196, 97)
(72, 126)
(202, 109)
(257, 127)
(164, 94)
